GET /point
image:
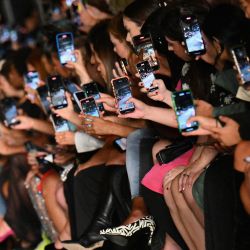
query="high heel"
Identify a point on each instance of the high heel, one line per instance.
(121, 235)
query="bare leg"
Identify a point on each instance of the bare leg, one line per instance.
(55, 211)
(198, 213)
(194, 230)
(168, 195)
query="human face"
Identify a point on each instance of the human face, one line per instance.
(120, 47)
(133, 29)
(95, 59)
(245, 5)
(178, 49)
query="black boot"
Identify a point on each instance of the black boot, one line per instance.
(92, 239)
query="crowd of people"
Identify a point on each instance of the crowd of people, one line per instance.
(139, 139)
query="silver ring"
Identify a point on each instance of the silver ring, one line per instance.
(89, 125)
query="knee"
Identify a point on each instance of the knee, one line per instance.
(177, 195)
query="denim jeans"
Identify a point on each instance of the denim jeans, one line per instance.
(139, 157)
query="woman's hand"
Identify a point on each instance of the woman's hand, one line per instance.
(161, 94)
(79, 67)
(118, 72)
(66, 112)
(171, 175)
(96, 126)
(206, 124)
(26, 123)
(65, 138)
(140, 111)
(108, 101)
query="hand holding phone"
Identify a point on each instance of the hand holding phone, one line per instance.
(57, 92)
(192, 35)
(184, 109)
(147, 75)
(65, 47)
(89, 107)
(122, 92)
(242, 63)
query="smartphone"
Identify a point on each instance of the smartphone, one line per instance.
(70, 86)
(31, 78)
(121, 144)
(9, 111)
(78, 97)
(89, 107)
(242, 63)
(65, 47)
(59, 124)
(146, 74)
(122, 92)
(145, 43)
(123, 64)
(57, 92)
(192, 35)
(184, 109)
(91, 90)
(43, 95)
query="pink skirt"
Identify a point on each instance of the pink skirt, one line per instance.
(153, 180)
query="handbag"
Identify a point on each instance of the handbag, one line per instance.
(174, 150)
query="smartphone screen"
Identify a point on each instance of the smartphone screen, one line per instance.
(65, 47)
(57, 92)
(146, 74)
(60, 124)
(89, 107)
(144, 42)
(192, 35)
(43, 95)
(31, 78)
(9, 110)
(91, 90)
(78, 97)
(122, 92)
(184, 109)
(242, 63)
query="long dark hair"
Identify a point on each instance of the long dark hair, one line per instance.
(99, 38)
(227, 23)
(139, 11)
